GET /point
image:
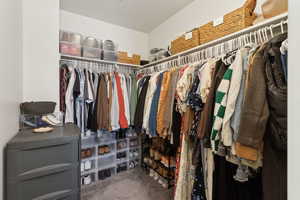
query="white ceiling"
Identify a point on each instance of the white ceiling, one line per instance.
(141, 15)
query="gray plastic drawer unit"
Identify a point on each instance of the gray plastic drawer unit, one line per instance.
(44, 166)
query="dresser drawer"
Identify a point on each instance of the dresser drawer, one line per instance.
(61, 185)
(28, 161)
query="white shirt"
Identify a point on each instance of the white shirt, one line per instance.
(69, 98)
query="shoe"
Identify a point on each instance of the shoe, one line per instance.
(82, 167)
(88, 165)
(51, 119)
(87, 179)
(151, 173)
(107, 149)
(42, 130)
(101, 150)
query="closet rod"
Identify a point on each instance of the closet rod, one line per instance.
(68, 57)
(273, 21)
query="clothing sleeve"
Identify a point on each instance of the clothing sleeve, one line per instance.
(255, 111)
(69, 116)
(234, 89)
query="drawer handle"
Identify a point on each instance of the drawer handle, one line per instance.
(45, 147)
(53, 195)
(50, 169)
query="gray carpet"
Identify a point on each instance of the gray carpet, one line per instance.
(130, 185)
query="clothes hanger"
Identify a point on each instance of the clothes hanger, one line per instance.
(271, 30)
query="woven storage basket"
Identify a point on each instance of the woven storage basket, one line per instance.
(232, 22)
(123, 58)
(184, 43)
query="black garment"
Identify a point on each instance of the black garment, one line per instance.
(92, 119)
(195, 102)
(76, 92)
(194, 99)
(139, 112)
(176, 125)
(226, 188)
(199, 187)
(275, 139)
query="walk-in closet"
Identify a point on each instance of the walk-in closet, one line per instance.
(149, 100)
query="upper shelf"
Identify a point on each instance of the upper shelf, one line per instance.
(273, 20)
(68, 57)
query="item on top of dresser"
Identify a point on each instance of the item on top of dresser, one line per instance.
(42, 130)
(37, 108)
(52, 120)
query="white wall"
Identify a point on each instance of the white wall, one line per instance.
(195, 14)
(129, 40)
(40, 50)
(10, 73)
(293, 101)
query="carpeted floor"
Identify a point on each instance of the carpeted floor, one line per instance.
(130, 185)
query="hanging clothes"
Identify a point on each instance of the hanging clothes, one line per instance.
(98, 101)
(139, 113)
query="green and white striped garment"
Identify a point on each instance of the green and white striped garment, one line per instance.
(220, 107)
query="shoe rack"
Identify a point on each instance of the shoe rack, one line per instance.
(105, 154)
(159, 160)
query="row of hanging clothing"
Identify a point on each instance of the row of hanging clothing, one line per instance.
(96, 100)
(228, 119)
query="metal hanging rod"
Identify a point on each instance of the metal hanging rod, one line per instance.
(68, 57)
(274, 22)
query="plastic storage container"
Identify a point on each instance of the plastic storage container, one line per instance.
(110, 55)
(70, 48)
(109, 45)
(28, 121)
(92, 48)
(70, 37)
(70, 43)
(106, 161)
(89, 52)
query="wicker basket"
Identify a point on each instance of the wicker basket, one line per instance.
(185, 42)
(123, 58)
(232, 22)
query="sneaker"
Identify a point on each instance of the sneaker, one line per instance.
(88, 165)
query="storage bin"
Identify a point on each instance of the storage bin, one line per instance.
(187, 41)
(70, 37)
(122, 167)
(106, 137)
(106, 173)
(109, 45)
(124, 58)
(87, 153)
(68, 48)
(92, 42)
(89, 52)
(88, 179)
(106, 161)
(229, 23)
(110, 55)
